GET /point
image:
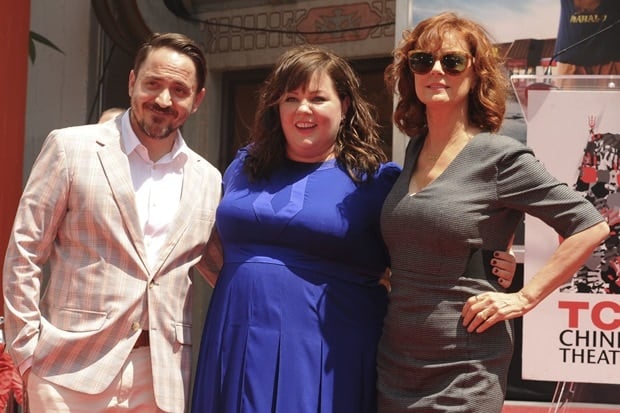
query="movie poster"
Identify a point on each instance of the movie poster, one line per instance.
(574, 335)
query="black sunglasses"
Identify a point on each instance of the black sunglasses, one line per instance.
(453, 63)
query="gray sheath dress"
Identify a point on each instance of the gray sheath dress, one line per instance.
(427, 360)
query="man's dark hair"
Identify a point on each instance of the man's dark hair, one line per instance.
(180, 43)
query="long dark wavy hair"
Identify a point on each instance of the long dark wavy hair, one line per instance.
(487, 99)
(358, 145)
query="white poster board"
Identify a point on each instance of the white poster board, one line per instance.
(572, 336)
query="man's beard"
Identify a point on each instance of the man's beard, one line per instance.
(153, 130)
(156, 132)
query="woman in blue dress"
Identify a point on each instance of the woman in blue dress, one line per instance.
(296, 315)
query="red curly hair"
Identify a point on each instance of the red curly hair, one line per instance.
(487, 100)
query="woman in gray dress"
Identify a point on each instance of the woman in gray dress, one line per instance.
(447, 339)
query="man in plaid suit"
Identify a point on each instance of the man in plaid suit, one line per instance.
(121, 211)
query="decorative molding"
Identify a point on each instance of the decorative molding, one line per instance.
(281, 27)
(328, 19)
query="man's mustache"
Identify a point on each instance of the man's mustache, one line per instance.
(167, 111)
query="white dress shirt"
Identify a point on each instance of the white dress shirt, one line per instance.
(157, 186)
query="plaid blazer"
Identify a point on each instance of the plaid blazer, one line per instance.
(78, 213)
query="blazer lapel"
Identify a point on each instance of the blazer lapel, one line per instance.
(116, 168)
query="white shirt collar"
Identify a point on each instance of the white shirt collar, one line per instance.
(130, 142)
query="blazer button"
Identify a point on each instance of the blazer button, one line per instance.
(135, 326)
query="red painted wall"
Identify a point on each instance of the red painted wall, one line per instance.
(14, 34)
